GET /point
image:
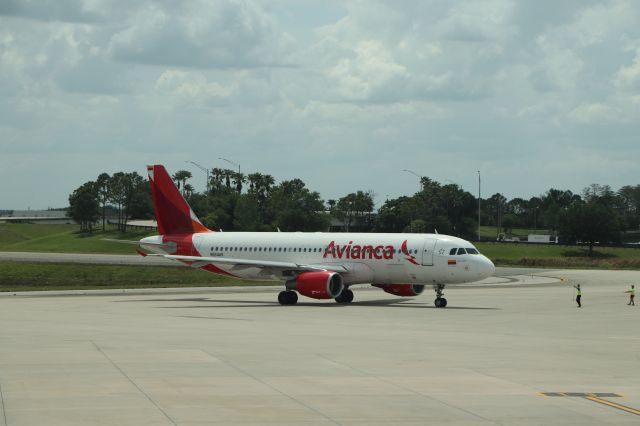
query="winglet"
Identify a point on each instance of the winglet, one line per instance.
(173, 214)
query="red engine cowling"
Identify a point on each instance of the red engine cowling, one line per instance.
(404, 290)
(319, 285)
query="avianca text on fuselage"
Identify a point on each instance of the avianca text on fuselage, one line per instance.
(357, 251)
(366, 251)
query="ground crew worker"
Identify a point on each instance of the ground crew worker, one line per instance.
(632, 295)
(578, 295)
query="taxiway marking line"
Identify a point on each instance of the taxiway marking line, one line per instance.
(613, 404)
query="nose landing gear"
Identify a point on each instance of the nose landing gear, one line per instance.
(440, 301)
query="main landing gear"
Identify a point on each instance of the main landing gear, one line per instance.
(440, 301)
(345, 297)
(288, 297)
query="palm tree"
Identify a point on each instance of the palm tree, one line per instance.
(103, 193)
(180, 178)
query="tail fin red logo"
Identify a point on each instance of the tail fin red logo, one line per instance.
(173, 214)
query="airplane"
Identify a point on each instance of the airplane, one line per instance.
(318, 265)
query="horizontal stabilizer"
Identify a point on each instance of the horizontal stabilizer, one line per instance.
(135, 243)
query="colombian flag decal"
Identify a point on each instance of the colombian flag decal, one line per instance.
(451, 262)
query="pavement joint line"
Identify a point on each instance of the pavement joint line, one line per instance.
(4, 414)
(133, 383)
(240, 370)
(406, 388)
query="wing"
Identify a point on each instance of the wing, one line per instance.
(280, 268)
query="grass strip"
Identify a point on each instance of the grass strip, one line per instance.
(32, 276)
(558, 256)
(66, 239)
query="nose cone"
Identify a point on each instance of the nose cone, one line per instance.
(487, 268)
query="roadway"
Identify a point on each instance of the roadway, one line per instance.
(514, 350)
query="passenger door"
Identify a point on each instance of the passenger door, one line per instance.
(427, 251)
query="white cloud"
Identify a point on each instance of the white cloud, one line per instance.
(594, 113)
(368, 73)
(628, 77)
(202, 34)
(478, 21)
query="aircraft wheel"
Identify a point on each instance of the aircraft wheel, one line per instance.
(440, 302)
(345, 297)
(287, 297)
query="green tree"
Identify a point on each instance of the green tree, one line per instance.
(344, 210)
(139, 205)
(246, 215)
(260, 186)
(102, 184)
(125, 190)
(395, 215)
(180, 178)
(84, 207)
(238, 180)
(629, 197)
(116, 191)
(589, 223)
(508, 223)
(354, 210)
(295, 208)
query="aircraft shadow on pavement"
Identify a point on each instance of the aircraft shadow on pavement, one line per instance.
(226, 303)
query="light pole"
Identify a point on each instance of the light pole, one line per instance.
(204, 169)
(479, 198)
(415, 174)
(230, 162)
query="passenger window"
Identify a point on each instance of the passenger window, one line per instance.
(453, 252)
(461, 251)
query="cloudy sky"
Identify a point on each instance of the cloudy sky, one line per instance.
(343, 94)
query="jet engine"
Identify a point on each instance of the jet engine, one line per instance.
(404, 290)
(319, 285)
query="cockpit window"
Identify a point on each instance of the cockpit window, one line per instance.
(472, 251)
(453, 252)
(461, 251)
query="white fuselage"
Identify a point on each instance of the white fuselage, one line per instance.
(368, 258)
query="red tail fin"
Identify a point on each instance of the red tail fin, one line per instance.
(173, 214)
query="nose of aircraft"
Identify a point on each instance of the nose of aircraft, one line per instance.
(487, 268)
